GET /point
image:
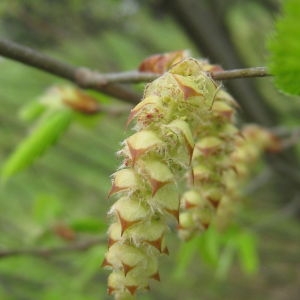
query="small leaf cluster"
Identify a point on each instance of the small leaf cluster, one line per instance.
(51, 115)
(284, 47)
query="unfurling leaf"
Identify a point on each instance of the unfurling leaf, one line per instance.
(32, 111)
(248, 253)
(41, 138)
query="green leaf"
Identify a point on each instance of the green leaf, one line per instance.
(46, 208)
(87, 121)
(89, 266)
(185, 255)
(210, 246)
(226, 260)
(284, 48)
(88, 225)
(248, 253)
(40, 139)
(32, 111)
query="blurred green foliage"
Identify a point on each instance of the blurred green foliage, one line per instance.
(66, 188)
(39, 139)
(219, 250)
(285, 48)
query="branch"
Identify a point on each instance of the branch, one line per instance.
(45, 252)
(105, 83)
(136, 76)
(241, 73)
(78, 75)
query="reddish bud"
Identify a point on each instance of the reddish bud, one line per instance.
(82, 103)
(65, 232)
(160, 63)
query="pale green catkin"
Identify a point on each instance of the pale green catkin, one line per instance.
(215, 136)
(249, 146)
(167, 121)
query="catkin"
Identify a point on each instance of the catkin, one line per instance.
(249, 146)
(215, 135)
(155, 157)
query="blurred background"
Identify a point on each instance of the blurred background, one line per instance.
(61, 198)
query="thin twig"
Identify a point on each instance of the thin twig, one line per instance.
(136, 76)
(241, 73)
(45, 252)
(105, 83)
(79, 76)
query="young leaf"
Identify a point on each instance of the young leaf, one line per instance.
(88, 225)
(226, 260)
(89, 266)
(41, 138)
(284, 47)
(46, 208)
(248, 253)
(32, 111)
(210, 246)
(185, 255)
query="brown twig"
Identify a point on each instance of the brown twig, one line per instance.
(45, 252)
(79, 76)
(106, 83)
(96, 78)
(241, 73)
(136, 77)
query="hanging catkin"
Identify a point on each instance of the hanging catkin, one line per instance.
(215, 136)
(155, 158)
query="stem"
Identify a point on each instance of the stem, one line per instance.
(45, 252)
(136, 76)
(79, 76)
(241, 73)
(35, 59)
(105, 83)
